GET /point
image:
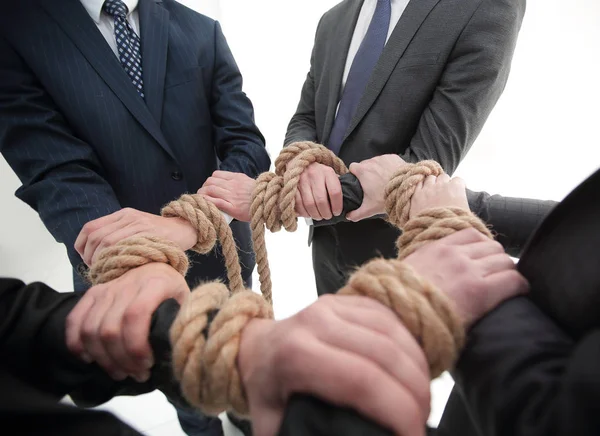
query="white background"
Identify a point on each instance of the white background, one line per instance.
(540, 141)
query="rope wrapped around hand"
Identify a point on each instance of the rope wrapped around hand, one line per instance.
(274, 199)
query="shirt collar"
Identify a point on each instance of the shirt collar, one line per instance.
(94, 7)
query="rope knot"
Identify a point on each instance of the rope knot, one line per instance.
(134, 252)
(437, 223)
(403, 185)
(207, 368)
(426, 311)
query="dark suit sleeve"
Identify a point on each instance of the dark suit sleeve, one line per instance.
(61, 176)
(302, 126)
(523, 376)
(513, 220)
(471, 84)
(33, 347)
(239, 144)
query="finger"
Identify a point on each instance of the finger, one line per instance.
(359, 214)
(334, 191)
(223, 175)
(478, 250)
(300, 209)
(382, 350)
(458, 182)
(463, 237)
(111, 332)
(217, 181)
(503, 286)
(319, 192)
(443, 178)
(379, 318)
(216, 192)
(341, 377)
(96, 238)
(222, 205)
(429, 181)
(496, 263)
(308, 200)
(91, 226)
(92, 341)
(73, 326)
(137, 317)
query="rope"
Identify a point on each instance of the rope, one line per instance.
(274, 199)
(204, 362)
(133, 252)
(425, 311)
(210, 226)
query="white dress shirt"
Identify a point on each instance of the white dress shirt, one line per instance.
(362, 25)
(106, 23)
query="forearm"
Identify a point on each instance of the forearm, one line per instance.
(512, 371)
(33, 346)
(513, 220)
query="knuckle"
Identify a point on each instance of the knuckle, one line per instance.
(110, 334)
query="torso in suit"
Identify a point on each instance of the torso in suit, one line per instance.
(441, 72)
(84, 143)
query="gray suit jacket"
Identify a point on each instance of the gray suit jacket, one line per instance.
(439, 77)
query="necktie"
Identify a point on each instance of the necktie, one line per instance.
(128, 43)
(360, 72)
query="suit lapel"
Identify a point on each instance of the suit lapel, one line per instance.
(340, 45)
(415, 13)
(79, 26)
(154, 23)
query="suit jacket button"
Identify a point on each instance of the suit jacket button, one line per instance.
(176, 175)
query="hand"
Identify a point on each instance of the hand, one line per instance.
(319, 193)
(106, 231)
(472, 270)
(111, 323)
(347, 350)
(374, 174)
(231, 193)
(439, 192)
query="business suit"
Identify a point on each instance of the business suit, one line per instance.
(440, 74)
(85, 144)
(529, 368)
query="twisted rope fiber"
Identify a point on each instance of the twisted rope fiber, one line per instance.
(210, 226)
(133, 252)
(424, 310)
(274, 199)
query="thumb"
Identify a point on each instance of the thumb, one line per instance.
(359, 214)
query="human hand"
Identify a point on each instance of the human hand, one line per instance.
(347, 350)
(319, 193)
(374, 174)
(111, 323)
(473, 270)
(104, 232)
(230, 192)
(439, 191)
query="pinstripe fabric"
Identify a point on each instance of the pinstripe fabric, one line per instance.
(85, 145)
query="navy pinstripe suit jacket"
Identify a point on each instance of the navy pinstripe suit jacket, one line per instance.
(82, 141)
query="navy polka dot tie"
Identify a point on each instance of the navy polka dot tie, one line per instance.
(128, 43)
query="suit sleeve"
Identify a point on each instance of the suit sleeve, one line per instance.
(33, 347)
(513, 220)
(302, 126)
(61, 176)
(523, 376)
(239, 144)
(471, 84)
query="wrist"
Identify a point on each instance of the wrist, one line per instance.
(253, 336)
(184, 234)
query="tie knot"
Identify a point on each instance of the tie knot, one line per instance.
(116, 8)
